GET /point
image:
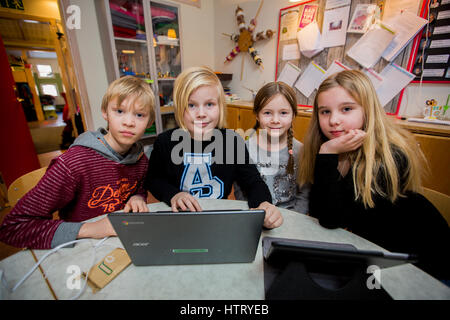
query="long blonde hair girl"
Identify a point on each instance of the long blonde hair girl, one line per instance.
(374, 161)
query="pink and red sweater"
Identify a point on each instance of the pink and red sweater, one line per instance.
(81, 184)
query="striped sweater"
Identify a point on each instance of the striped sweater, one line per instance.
(81, 184)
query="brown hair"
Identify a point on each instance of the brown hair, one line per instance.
(264, 96)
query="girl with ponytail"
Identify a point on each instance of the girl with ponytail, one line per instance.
(273, 148)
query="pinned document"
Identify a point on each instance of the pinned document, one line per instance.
(395, 78)
(374, 77)
(406, 25)
(334, 28)
(335, 67)
(310, 80)
(369, 48)
(309, 40)
(289, 74)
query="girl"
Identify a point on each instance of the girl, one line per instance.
(201, 159)
(274, 149)
(366, 174)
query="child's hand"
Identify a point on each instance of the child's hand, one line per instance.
(351, 140)
(136, 204)
(185, 202)
(97, 230)
(273, 218)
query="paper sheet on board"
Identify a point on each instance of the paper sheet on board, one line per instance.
(289, 74)
(395, 7)
(369, 48)
(374, 77)
(334, 27)
(406, 26)
(309, 40)
(310, 79)
(395, 78)
(335, 67)
(290, 52)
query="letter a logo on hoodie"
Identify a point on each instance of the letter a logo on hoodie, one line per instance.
(197, 178)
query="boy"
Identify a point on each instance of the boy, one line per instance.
(97, 175)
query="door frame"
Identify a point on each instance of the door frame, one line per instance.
(69, 74)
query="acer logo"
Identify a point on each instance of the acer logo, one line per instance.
(141, 244)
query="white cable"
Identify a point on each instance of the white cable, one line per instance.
(419, 92)
(97, 245)
(21, 281)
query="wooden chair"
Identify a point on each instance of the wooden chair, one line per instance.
(440, 201)
(23, 184)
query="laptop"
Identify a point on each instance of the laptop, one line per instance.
(178, 238)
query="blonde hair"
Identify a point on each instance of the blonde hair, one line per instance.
(375, 159)
(190, 80)
(264, 96)
(127, 86)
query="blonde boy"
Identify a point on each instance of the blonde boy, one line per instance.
(99, 173)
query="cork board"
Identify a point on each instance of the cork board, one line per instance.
(325, 58)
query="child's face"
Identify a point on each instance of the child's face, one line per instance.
(203, 111)
(338, 112)
(276, 117)
(127, 123)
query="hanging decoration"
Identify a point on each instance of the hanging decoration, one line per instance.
(245, 40)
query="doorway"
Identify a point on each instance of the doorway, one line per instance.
(42, 70)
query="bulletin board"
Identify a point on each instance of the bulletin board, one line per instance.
(326, 57)
(430, 54)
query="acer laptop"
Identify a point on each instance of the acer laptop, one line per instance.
(177, 238)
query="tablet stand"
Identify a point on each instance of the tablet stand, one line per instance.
(320, 280)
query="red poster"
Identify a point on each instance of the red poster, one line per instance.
(308, 15)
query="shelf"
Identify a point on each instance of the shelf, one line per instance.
(166, 79)
(168, 43)
(130, 40)
(224, 76)
(167, 109)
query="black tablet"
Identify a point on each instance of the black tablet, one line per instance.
(280, 251)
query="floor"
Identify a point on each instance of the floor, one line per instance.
(47, 134)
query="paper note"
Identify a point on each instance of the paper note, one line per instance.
(309, 40)
(337, 3)
(308, 15)
(395, 7)
(406, 26)
(369, 48)
(288, 24)
(374, 77)
(334, 28)
(289, 74)
(310, 79)
(291, 52)
(335, 67)
(395, 78)
(362, 18)
(437, 58)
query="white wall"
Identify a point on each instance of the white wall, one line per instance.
(253, 77)
(416, 95)
(197, 32)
